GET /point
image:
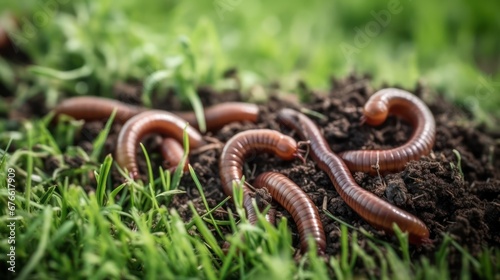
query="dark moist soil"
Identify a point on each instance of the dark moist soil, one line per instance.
(464, 203)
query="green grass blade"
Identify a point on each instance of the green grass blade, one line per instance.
(51, 142)
(403, 243)
(191, 223)
(204, 199)
(150, 82)
(3, 159)
(205, 232)
(29, 164)
(42, 245)
(100, 140)
(102, 179)
(45, 198)
(81, 72)
(197, 106)
(179, 170)
(61, 233)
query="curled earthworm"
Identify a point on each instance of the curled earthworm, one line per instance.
(172, 152)
(244, 144)
(413, 110)
(373, 209)
(152, 121)
(298, 204)
(96, 108)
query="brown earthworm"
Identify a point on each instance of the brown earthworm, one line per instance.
(172, 152)
(298, 204)
(370, 207)
(219, 115)
(244, 144)
(96, 108)
(413, 110)
(152, 121)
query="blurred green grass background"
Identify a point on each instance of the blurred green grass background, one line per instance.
(452, 46)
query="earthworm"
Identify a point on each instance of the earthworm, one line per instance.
(172, 152)
(152, 121)
(370, 207)
(219, 115)
(298, 204)
(410, 108)
(244, 144)
(96, 108)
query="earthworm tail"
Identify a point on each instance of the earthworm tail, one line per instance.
(410, 108)
(244, 144)
(172, 152)
(152, 121)
(298, 204)
(373, 209)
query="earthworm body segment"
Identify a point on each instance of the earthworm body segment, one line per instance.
(172, 152)
(374, 210)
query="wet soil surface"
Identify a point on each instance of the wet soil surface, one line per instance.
(454, 190)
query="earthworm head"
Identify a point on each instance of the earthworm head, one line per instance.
(375, 112)
(287, 148)
(420, 237)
